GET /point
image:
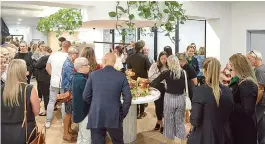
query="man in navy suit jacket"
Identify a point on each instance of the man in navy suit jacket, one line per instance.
(103, 94)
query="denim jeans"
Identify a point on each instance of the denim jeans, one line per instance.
(53, 93)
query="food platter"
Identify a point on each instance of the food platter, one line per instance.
(139, 87)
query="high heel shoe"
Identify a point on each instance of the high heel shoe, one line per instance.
(162, 130)
(157, 127)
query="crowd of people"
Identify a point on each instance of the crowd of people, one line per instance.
(228, 106)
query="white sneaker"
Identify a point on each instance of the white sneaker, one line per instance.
(48, 125)
(62, 123)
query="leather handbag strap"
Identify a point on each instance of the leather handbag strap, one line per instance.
(25, 123)
(61, 79)
(186, 83)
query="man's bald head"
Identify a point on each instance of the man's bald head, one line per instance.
(109, 59)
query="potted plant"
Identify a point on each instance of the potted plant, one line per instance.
(64, 21)
(166, 12)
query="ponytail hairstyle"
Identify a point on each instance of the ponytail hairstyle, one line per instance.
(211, 69)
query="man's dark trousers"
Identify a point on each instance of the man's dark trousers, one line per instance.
(98, 135)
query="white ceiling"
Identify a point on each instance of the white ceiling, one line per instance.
(24, 14)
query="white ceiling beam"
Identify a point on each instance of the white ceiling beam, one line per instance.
(48, 3)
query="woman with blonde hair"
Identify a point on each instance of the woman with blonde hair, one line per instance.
(212, 106)
(192, 60)
(12, 105)
(89, 53)
(174, 101)
(245, 91)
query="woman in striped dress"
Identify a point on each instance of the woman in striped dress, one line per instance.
(174, 101)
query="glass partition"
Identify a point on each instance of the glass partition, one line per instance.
(148, 37)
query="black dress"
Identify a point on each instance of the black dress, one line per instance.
(210, 121)
(243, 120)
(29, 62)
(12, 119)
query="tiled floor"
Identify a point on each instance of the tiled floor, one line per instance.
(145, 135)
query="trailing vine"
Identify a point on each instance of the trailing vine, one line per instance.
(149, 10)
(65, 20)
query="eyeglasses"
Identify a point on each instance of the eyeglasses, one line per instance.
(254, 54)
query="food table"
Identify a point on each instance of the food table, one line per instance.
(130, 121)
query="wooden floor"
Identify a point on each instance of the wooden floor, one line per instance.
(145, 126)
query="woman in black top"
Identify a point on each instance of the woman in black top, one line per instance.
(25, 55)
(12, 105)
(43, 77)
(245, 91)
(174, 101)
(212, 106)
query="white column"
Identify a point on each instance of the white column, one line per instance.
(130, 125)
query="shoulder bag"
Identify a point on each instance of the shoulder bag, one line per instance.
(187, 100)
(64, 96)
(40, 136)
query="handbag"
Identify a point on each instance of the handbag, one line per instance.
(40, 136)
(187, 98)
(64, 97)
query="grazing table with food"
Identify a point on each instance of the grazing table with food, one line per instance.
(141, 93)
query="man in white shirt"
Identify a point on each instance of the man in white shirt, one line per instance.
(54, 67)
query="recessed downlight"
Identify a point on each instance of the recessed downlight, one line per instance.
(19, 19)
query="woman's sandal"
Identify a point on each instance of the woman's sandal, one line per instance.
(42, 114)
(157, 127)
(162, 130)
(73, 132)
(70, 138)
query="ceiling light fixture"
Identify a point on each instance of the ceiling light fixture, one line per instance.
(19, 19)
(23, 12)
(18, 23)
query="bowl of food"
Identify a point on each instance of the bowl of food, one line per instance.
(130, 73)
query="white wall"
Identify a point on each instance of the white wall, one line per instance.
(213, 38)
(29, 33)
(192, 31)
(220, 29)
(246, 16)
(21, 30)
(90, 35)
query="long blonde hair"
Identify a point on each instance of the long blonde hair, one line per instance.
(211, 67)
(242, 67)
(88, 52)
(174, 66)
(16, 73)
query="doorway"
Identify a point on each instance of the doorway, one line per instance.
(256, 41)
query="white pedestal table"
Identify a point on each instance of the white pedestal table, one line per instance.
(130, 121)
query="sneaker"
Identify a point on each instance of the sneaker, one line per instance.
(62, 123)
(47, 125)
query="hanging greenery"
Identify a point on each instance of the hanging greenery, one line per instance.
(63, 21)
(168, 13)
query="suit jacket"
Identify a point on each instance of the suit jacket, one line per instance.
(103, 95)
(210, 121)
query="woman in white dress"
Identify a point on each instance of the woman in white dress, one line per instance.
(120, 58)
